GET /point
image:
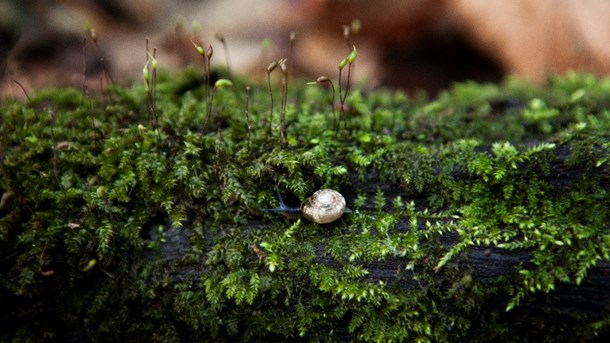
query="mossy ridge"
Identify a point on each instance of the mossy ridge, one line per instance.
(480, 162)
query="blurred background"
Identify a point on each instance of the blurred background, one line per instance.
(406, 44)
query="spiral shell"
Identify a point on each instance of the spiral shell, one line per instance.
(324, 206)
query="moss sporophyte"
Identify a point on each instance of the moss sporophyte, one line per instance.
(474, 214)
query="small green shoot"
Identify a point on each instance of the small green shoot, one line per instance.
(92, 262)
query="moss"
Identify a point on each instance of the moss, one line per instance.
(111, 229)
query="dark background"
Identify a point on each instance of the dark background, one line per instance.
(412, 45)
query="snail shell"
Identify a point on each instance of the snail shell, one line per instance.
(324, 206)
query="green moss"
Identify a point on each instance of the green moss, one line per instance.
(510, 167)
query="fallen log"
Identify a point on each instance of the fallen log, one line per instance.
(480, 216)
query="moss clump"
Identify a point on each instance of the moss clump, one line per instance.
(111, 229)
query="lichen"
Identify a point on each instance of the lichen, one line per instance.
(512, 168)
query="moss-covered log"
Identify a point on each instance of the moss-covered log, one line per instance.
(482, 215)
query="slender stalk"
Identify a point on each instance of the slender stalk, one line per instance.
(151, 63)
(91, 113)
(223, 41)
(284, 100)
(325, 79)
(29, 100)
(217, 122)
(208, 54)
(293, 37)
(332, 106)
(270, 69)
(105, 72)
(55, 158)
(342, 97)
(206, 84)
(84, 69)
(219, 84)
(247, 114)
(154, 84)
(342, 65)
(349, 69)
(210, 107)
(147, 85)
(24, 92)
